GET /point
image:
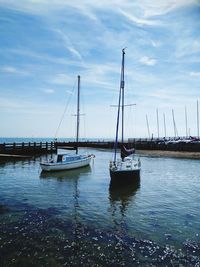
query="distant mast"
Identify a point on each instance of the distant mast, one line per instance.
(78, 115)
(174, 123)
(186, 126)
(197, 119)
(157, 123)
(164, 125)
(175, 129)
(148, 126)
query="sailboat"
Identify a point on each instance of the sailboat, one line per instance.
(127, 167)
(65, 161)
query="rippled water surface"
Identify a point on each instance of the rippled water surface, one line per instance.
(77, 218)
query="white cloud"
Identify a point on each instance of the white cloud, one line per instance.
(60, 78)
(100, 73)
(140, 21)
(42, 57)
(68, 44)
(9, 69)
(13, 70)
(195, 74)
(187, 45)
(69, 92)
(148, 61)
(144, 8)
(49, 91)
(158, 8)
(156, 43)
(13, 105)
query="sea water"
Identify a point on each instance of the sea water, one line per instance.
(77, 218)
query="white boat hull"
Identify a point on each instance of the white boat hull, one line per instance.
(60, 166)
(125, 170)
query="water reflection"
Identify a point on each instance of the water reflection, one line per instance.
(120, 196)
(16, 162)
(71, 191)
(64, 175)
(123, 192)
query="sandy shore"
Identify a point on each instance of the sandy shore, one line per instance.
(171, 154)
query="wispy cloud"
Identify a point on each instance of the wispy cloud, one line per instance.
(13, 70)
(14, 105)
(148, 61)
(41, 56)
(67, 38)
(149, 8)
(187, 45)
(194, 74)
(156, 43)
(140, 21)
(158, 8)
(69, 45)
(49, 91)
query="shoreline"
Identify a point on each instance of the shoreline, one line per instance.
(169, 154)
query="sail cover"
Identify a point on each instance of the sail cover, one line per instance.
(126, 152)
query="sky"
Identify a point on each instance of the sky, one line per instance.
(46, 44)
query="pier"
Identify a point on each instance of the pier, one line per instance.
(27, 149)
(40, 148)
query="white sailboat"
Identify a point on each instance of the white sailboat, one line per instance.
(127, 167)
(66, 161)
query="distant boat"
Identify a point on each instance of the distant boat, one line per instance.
(127, 167)
(65, 161)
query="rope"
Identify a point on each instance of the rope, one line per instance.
(65, 109)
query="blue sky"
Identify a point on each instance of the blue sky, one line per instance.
(45, 44)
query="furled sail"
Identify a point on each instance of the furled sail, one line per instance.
(126, 152)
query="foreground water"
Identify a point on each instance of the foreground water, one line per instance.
(77, 218)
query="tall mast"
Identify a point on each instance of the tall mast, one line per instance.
(175, 129)
(197, 119)
(164, 125)
(78, 114)
(148, 126)
(157, 123)
(121, 95)
(122, 89)
(186, 127)
(174, 123)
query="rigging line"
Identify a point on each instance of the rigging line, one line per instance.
(65, 109)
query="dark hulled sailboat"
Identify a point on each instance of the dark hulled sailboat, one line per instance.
(127, 166)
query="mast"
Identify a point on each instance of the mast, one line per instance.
(175, 129)
(78, 114)
(122, 89)
(148, 126)
(121, 95)
(186, 127)
(164, 124)
(157, 123)
(174, 123)
(197, 119)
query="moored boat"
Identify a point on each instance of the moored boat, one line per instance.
(66, 161)
(127, 167)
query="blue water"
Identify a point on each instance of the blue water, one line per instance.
(77, 218)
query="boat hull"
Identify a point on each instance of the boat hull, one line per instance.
(66, 166)
(123, 176)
